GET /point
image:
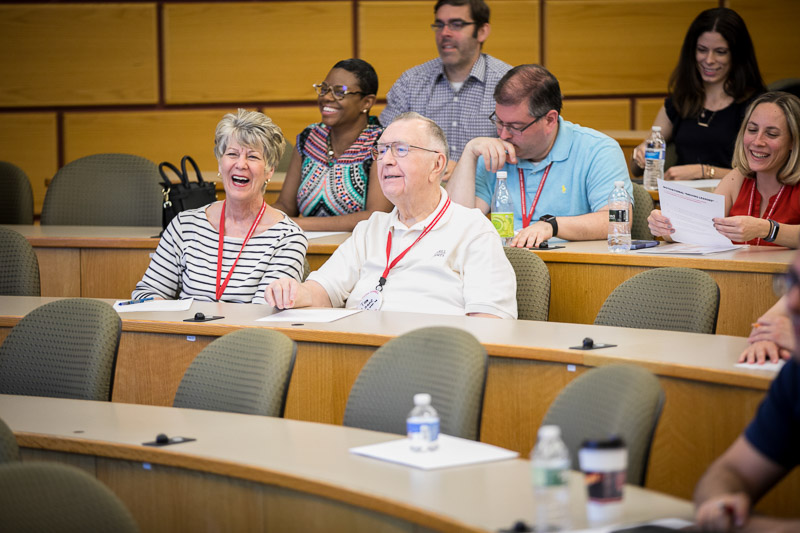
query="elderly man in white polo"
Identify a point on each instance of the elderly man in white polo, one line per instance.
(428, 255)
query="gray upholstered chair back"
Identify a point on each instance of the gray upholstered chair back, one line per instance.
(247, 371)
(612, 400)
(642, 206)
(283, 164)
(677, 299)
(448, 363)
(45, 496)
(533, 283)
(9, 449)
(105, 190)
(16, 200)
(19, 267)
(63, 349)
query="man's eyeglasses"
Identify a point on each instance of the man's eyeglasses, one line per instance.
(513, 130)
(339, 91)
(452, 25)
(784, 284)
(399, 149)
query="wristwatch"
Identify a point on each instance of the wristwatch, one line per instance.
(550, 219)
(773, 231)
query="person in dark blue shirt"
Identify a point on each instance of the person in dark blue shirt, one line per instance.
(763, 455)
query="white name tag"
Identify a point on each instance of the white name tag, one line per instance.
(371, 301)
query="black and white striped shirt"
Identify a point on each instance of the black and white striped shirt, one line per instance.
(185, 262)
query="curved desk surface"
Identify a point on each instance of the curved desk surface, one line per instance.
(709, 400)
(281, 472)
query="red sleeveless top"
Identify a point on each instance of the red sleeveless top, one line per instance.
(783, 207)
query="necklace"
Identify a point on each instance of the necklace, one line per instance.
(331, 159)
(704, 121)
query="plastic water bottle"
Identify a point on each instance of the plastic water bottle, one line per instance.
(549, 471)
(655, 148)
(502, 210)
(620, 213)
(422, 425)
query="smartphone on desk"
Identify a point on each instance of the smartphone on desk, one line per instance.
(637, 245)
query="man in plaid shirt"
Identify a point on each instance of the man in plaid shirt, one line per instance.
(454, 90)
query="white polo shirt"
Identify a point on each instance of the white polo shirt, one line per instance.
(459, 267)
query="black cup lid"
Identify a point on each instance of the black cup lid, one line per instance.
(611, 443)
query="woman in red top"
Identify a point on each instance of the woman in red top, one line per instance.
(762, 196)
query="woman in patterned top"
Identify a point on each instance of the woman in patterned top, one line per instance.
(331, 183)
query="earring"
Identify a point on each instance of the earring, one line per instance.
(364, 111)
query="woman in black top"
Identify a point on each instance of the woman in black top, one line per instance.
(716, 78)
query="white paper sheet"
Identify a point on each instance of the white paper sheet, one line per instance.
(452, 451)
(691, 212)
(154, 305)
(309, 315)
(766, 366)
(689, 249)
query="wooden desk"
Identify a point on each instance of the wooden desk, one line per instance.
(709, 401)
(250, 473)
(583, 274)
(628, 140)
(108, 261)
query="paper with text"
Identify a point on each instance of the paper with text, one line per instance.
(691, 212)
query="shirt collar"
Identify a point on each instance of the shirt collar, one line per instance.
(478, 70)
(394, 221)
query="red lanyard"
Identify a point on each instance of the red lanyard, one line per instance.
(526, 217)
(753, 204)
(221, 288)
(425, 231)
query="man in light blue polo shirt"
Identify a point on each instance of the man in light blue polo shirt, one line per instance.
(566, 170)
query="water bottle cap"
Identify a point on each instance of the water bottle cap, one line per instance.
(502, 174)
(549, 432)
(422, 398)
(656, 128)
(619, 183)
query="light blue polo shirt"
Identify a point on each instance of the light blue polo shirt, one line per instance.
(586, 163)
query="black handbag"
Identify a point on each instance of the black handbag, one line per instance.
(185, 194)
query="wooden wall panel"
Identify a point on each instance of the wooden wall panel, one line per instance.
(514, 36)
(249, 52)
(646, 111)
(773, 27)
(395, 36)
(292, 120)
(616, 46)
(78, 54)
(598, 114)
(29, 141)
(156, 135)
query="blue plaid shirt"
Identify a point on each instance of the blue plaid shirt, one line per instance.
(463, 115)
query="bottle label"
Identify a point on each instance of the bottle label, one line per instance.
(426, 431)
(549, 477)
(654, 154)
(618, 215)
(605, 487)
(504, 224)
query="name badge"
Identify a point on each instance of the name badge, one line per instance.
(371, 301)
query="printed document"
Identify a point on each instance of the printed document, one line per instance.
(691, 212)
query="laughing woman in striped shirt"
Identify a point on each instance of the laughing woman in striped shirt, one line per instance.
(231, 250)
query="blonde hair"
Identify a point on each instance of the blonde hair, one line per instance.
(251, 129)
(789, 174)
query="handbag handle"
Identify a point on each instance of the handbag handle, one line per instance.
(167, 183)
(185, 177)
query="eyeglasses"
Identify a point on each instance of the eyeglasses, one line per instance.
(339, 91)
(513, 130)
(782, 285)
(399, 149)
(452, 25)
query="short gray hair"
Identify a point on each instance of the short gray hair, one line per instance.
(436, 133)
(252, 129)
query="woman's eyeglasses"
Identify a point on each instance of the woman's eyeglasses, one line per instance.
(339, 91)
(399, 149)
